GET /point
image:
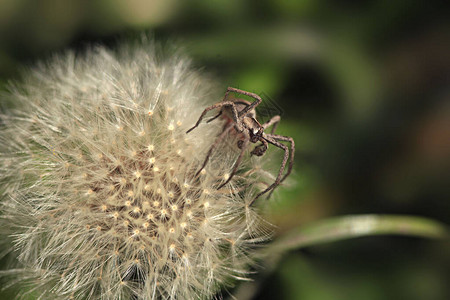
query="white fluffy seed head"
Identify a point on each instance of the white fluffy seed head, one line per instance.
(99, 188)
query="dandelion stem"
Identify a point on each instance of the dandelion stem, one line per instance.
(347, 227)
(340, 228)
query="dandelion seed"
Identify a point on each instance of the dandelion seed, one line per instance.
(93, 216)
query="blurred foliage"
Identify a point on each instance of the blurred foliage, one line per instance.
(362, 87)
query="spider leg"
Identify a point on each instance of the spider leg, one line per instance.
(234, 110)
(214, 106)
(238, 161)
(215, 117)
(271, 139)
(292, 151)
(260, 149)
(291, 159)
(251, 106)
(273, 121)
(213, 146)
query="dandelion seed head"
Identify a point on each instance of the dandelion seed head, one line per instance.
(99, 188)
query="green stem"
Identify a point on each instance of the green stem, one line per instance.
(347, 227)
(340, 228)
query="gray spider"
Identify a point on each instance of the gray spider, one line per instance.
(240, 115)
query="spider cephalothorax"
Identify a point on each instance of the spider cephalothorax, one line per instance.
(240, 115)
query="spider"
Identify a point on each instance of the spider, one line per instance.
(240, 115)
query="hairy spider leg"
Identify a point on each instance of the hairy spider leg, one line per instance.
(213, 146)
(291, 159)
(238, 161)
(236, 101)
(272, 139)
(259, 150)
(292, 152)
(273, 121)
(215, 117)
(248, 108)
(217, 105)
(236, 115)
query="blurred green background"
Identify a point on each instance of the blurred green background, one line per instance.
(363, 89)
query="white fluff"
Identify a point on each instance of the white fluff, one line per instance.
(98, 190)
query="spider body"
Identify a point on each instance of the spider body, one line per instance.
(248, 126)
(240, 115)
